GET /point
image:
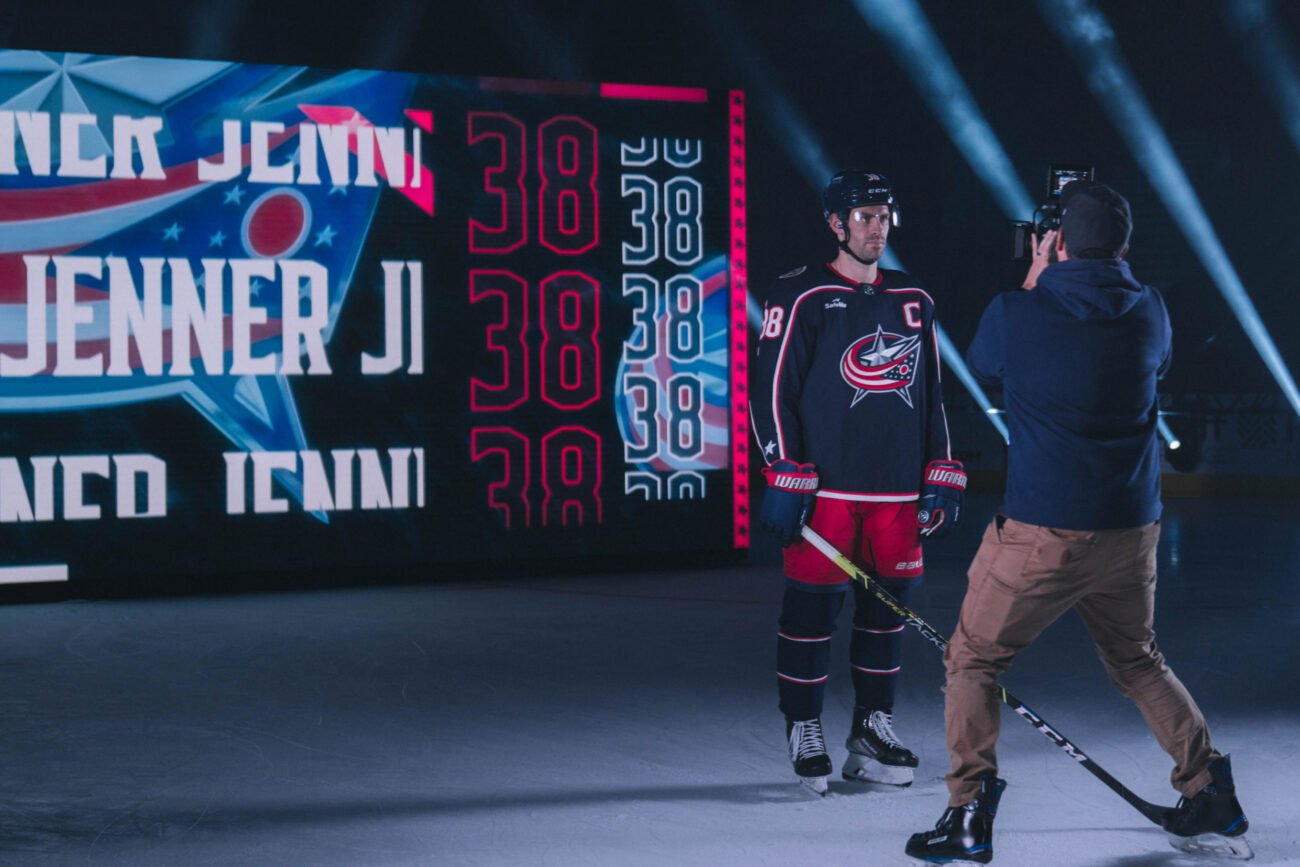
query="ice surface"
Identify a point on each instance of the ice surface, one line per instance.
(624, 719)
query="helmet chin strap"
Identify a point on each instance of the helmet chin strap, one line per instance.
(844, 245)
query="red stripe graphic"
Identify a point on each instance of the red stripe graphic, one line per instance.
(646, 91)
(738, 277)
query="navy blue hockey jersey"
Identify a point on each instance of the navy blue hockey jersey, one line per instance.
(848, 379)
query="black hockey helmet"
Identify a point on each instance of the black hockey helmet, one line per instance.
(853, 188)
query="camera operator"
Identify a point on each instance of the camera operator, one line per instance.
(1078, 357)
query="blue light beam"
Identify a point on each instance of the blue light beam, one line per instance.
(918, 50)
(1088, 35)
(955, 362)
(916, 47)
(799, 143)
(795, 136)
(967, 127)
(1163, 427)
(1267, 51)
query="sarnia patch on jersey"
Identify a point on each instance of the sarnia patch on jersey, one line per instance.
(882, 363)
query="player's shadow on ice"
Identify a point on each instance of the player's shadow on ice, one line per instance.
(1163, 859)
(920, 788)
(47, 828)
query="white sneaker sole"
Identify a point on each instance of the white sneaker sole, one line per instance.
(864, 769)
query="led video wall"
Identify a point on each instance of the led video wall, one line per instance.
(258, 317)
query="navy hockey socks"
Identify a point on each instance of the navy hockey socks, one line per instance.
(875, 650)
(803, 647)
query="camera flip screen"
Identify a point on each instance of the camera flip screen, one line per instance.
(1059, 176)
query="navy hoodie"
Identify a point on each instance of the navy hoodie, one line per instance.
(1078, 357)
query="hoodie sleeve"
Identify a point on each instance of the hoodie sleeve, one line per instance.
(1166, 335)
(986, 358)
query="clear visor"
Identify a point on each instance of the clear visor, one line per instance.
(864, 217)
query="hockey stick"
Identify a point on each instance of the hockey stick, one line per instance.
(1154, 812)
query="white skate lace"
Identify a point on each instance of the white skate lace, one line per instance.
(883, 725)
(806, 739)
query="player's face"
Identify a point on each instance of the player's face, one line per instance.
(868, 231)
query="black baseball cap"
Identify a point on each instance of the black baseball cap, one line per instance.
(1094, 217)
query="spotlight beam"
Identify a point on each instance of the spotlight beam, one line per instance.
(806, 151)
(799, 143)
(796, 137)
(917, 49)
(1168, 434)
(1267, 51)
(1088, 36)
(956, 363)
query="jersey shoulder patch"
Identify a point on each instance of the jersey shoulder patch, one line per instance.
(795, 273)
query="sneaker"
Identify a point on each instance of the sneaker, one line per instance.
(963, 835)
(808, 753)
(1211, 821)
(875, 753)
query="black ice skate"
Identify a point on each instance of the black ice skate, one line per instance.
(1211, 822)
(808, 752)
(964, 835)
(875, 755)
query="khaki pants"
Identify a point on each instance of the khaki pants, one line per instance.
(1022, 579)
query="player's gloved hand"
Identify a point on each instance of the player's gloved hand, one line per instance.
(941, 492)
(788, 503)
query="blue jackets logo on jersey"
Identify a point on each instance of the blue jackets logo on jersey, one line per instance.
(881, 363)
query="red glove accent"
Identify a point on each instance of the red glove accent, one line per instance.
(940, 504)
(948, 473)
(788, 501)
(789, 476)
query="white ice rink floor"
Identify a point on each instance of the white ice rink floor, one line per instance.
(612, 719)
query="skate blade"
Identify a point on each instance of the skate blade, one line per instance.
(1216, 845)
(816, 785)
(952, 862)
(862, 769)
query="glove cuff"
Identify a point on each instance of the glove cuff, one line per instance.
(788, 476)
(947, 473)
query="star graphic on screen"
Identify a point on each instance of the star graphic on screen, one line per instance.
(96, 85)
(218, 239)
(234, 195)
(173, 232)
(325, 236)
(770, 447)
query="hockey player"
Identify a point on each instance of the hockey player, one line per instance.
(848, 413)
(1078, 357)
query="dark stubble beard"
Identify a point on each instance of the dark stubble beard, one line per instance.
(844, 245)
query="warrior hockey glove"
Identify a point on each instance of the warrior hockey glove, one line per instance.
(788, 503)
(940, 505)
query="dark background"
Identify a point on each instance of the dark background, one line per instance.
(860, 105)
(826, 61)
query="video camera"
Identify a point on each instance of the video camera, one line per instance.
(1047, 217)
